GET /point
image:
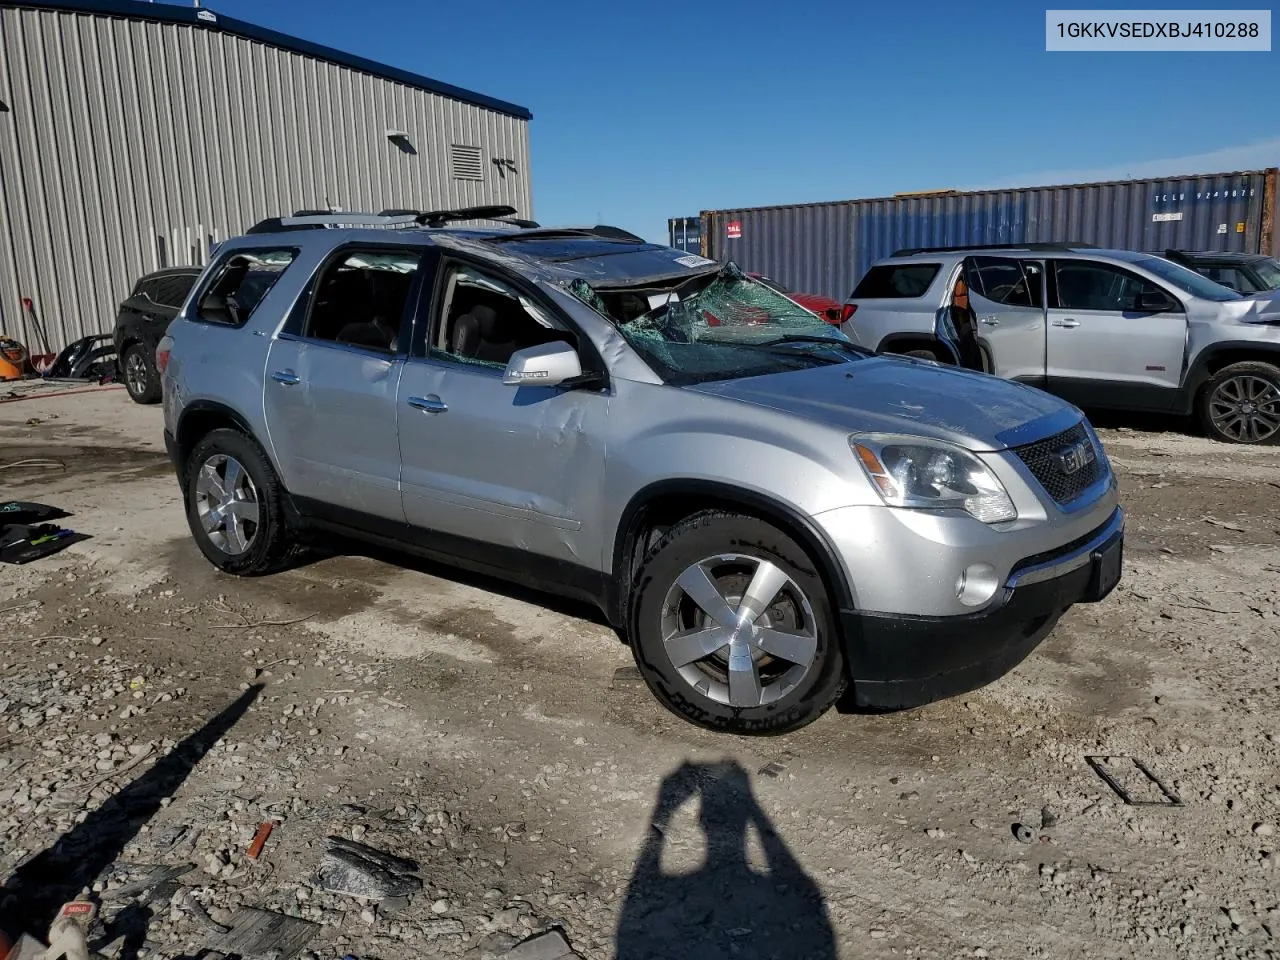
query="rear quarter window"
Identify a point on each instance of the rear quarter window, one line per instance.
(171, 291)
(239, 282)
(896, 281)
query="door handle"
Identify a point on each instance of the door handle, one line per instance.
(430, 404)
(1066, 323)
(287, 377)
(990, 321)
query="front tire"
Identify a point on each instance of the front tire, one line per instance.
(235, 505)
(141, 378)
(1241, 403)
(732, 628)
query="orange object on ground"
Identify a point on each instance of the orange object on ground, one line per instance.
(260, 839)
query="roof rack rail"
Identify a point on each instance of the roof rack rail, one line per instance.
(1178, 257)
(316, 219)
(602, 230)
(347, 220)
(438, 218)
(392, 217)
(1060, 247)
(617, 233)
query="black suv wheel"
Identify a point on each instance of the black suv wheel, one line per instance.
(732, 628)
(141, 378)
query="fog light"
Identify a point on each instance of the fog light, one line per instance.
(977, 584)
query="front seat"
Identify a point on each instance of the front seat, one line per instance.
(483, 334)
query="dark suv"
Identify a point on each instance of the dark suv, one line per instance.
(1245, 273)
(143, 318)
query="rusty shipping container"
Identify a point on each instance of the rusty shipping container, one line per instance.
(826, 247)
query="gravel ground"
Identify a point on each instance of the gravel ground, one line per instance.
(154, 712)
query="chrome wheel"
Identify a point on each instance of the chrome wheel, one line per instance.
(739, 630)
(135, 373)
(1245, 408)
(227, 504)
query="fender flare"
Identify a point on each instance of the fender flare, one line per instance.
(207, 409)
(794, 522)
(1242, 350)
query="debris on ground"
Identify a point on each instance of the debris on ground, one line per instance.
(259, 933)
(137, 880)
(358, 870)
(260, 839)
(551, 945)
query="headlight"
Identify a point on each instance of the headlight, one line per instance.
(930, 475)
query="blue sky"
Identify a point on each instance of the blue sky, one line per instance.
(656, 109)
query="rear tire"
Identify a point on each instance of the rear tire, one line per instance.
(235, 505)
(768, 669)
(141, 378)
(1241, 403)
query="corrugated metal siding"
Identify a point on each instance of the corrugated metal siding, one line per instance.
(132, 145)
(825, 248)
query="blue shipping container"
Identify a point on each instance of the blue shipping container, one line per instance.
(825, 248)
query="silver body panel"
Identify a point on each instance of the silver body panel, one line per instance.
(513, 466)
(331, 420)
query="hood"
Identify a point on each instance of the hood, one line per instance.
(918, 398)
(1260, 307)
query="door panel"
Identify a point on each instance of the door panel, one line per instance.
(1007, 302)
(331, 417)
(510, 466)
(1095, 334)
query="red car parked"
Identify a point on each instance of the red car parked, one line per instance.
(830, 310)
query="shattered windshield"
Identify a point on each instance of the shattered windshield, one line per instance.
(1269, 272)
(718, 326)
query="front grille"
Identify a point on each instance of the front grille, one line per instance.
(1051, 461)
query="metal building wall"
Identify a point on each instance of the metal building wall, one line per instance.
(129, 145)
(825, 248)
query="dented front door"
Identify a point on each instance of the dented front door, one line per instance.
(509, 466)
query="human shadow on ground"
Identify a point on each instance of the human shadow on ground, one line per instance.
(726, 908)
(32, 895)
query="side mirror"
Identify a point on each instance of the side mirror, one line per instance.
(546, 365)
(1156, 301)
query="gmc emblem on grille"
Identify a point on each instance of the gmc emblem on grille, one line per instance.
(1076, 457)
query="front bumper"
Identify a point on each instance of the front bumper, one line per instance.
(901, 661)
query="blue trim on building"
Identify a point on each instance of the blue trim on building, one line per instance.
(210, 19)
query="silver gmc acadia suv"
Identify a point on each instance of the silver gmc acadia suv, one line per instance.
(766, 512)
